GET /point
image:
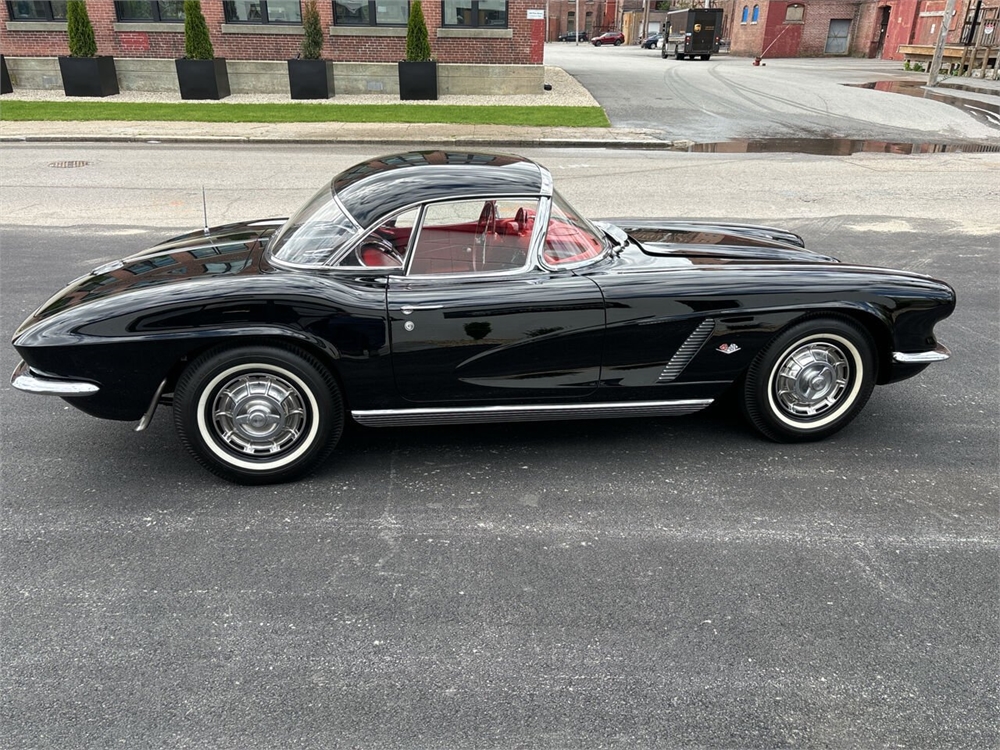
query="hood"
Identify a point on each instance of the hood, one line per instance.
(719, 242)
(228, 250)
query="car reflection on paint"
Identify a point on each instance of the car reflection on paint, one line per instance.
(441, 287)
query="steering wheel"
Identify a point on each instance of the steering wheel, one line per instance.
(484, 227)
(378, 252)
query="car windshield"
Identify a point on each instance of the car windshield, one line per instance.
(570, 237)
(315, 233)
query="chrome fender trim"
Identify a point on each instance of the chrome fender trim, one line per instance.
(525, 413)
(24, 379)
(148, 416)
(939, 354)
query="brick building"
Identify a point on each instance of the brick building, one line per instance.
(870, 28)
(463, 31)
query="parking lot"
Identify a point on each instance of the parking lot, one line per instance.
(627, 583)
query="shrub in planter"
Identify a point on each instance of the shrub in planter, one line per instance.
(5, 85)
(200, 74)
(84, 72)
(418, 72)
(309, 77)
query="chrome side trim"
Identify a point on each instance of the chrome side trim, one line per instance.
(525, 413)
(148, 416)
(683, 356)
(24, 379)
(939, 354)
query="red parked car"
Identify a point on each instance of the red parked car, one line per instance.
(609, 37)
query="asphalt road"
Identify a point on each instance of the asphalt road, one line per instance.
(668, 583)
(728, 98)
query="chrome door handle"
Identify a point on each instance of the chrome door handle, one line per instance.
(407, 309)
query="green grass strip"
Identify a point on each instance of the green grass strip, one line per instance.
(536, 116)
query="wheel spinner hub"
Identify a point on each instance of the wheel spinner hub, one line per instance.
(812, 379)
(259, 414)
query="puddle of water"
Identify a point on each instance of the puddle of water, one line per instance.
(986, 112)
(835, 147)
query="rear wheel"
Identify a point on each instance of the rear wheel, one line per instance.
(706, 57)
(258, 414)
(811, 381)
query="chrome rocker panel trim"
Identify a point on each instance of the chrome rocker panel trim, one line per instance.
(24, 379)
(525, 413)
(939, 354)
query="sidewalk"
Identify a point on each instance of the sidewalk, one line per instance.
(403, 134)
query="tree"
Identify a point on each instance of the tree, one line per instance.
(197, 42)
(418, 48)
(79, 30)
(312, 45)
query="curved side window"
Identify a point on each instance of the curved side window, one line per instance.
(314, 234)
(746, 13)
(570, 238)
(756, 14)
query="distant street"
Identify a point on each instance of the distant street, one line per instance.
(645, 583)
(728, 98)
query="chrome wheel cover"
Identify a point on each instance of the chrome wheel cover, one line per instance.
(811, 380)
(258, 415)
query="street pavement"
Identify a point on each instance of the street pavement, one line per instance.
(721, 100)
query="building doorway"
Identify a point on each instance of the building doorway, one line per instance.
(837, 40)
(883, 29)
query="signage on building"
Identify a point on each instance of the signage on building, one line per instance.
(536, 14)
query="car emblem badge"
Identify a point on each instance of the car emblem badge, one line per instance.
(729, 348)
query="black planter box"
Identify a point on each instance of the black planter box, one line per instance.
(5, 87)
(203, 79)
(418, 80)
(310, 79)
(89, 76)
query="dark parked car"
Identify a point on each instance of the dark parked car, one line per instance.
(609, 37)
(439, 287)
(652, 41)
(571, 36)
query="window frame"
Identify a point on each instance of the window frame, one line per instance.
(475, 18)
(372, 17)
(802, 13)
(157, 16)
(745, 16)
(49, 18)
(264, 20)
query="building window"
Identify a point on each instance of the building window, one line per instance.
(262, 11)
(746, 13)
(54, 11)
(795, 13)
(474, 13)
(149, 12)
(756, 14)
(371, 12)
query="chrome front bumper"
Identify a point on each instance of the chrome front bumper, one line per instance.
(919, 358)
(24, 379)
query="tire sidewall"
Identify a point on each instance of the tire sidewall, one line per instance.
(774, 421)
(201, 382)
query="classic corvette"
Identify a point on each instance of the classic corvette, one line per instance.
(437, 287)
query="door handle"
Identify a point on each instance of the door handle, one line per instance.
(407, 309)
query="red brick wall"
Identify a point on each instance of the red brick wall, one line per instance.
(515, 51)
(773, 37)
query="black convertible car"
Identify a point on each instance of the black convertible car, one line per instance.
(439, 287)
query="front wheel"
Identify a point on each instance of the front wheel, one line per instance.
(811, 381)
(258, 414)
(618, 43)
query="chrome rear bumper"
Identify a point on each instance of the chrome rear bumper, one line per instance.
(24, 379)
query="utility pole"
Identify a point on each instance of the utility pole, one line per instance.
(576, 23)
(935, 67)
(645, 21)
